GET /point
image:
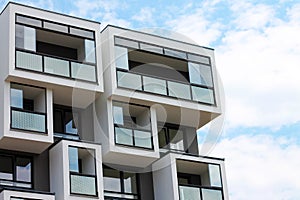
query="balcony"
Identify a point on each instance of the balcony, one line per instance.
(132, 125)
(199, 193)
(83, 184)
(162, 71)
(28, 108)
(55, 49)
(56, 66)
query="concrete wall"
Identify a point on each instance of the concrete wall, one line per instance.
(87, 124)
(7, 194)
(146, 186)
(41, 172)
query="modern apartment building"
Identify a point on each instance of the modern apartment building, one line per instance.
(111, 114)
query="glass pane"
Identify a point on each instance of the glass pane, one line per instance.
(118, 115)
(57, 66)
(56, 27)
(162, 138)
(174, 53)
(89, 47)
(29, 61)
(73, 159)
(111, 180)
(121, 58)
(155, 85)
(151, 48)
(198, 58)
(208, 194)
(29, 21)
(25, 38)
(189, 193)
(200, 74)
(130, 183)
(70, 119)
(126, 43)
(28, 121)
(215, 175)
(83, 71)
(83, 185)
(203, 95)
(127, 80)
(142, 139)
(123, 136)
(23, 166)
(16, 98)
(6, 168)
(179, 90)
(82, 33)
(176, 139)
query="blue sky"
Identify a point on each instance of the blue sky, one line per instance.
(257, 48)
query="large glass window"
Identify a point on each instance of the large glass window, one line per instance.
(82, 167)
(132, 125)
(200, 74)
(25, 38)
(28, 108)
(66, 121)
(119, 184)
(15, 171)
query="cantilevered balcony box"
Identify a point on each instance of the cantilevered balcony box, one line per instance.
(15, 194)
(76, 170)
(127, 132)
(150, 69)
(48, 49)
(26, 117)
(189, 177)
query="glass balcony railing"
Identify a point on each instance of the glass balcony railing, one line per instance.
(133, 137)
(55, 66)
(161, 86)
(28, 120)
(83, 184)
(199, 193)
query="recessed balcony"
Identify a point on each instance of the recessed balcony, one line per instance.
(162, 71)
(55, 49)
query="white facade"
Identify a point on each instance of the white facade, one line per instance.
(111, 114)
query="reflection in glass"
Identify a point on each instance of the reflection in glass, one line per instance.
(73, 159)
(83, 71)
(127, 80)
(56, 66)
(204, 95)
(142, 139)
(155, 85)
(200, 74)
(123, 136)
(16, 98)
(23, 166)
(118, 115)
(179, 90)
(121, 58)
(25, 38)
(90, 55)
(29, 61)
(70, 122)
(214, 175)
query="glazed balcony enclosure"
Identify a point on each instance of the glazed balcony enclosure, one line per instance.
(192, 177)
(50, 48)
(15, 194)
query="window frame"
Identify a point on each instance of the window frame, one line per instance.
(14, 168)
(122, 184)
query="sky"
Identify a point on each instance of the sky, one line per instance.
(257, 53)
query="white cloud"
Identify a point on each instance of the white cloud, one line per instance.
(195, 26)
(261, 167)
(259, 69)
(145, 15)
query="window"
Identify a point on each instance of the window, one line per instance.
(119, 184)
(203, 183)
(82, 167)
(132, 125)
(15, 171)
(200, 74)
(28, 106)
(66, 120)
(171, 137)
